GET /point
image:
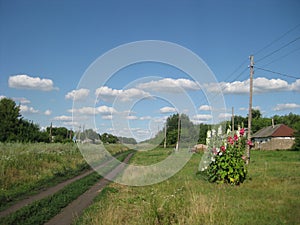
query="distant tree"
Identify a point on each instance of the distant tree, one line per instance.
(9, 117)
(203, 128)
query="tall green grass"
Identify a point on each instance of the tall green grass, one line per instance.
(270, 195)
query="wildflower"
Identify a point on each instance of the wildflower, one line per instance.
(213, 132)
(249, 142)
(242, 132)
(220, 153)
(208, 134)
(212, 159)
(235, 137)
(215, 151)
(219, 130)
(244, 158)
(230, 140)
(223, 149)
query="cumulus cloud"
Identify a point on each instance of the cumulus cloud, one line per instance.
(108, 94)
(260, 85)
(130, 117)
(205, 108)
(27, 109)
(224, 116)
(286, 106)
(79, 94)
(202, 117)
(48, 112)
(63, 118)
(145, 118)
(296, 85)
(31, 83)
(169, 85)
(2, 96)
(167, 110)
(103, 110)
(22, 100)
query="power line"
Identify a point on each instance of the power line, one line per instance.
(277, 39)
(281, 57)
(294, 40)
(282, 74)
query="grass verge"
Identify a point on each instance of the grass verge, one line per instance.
(270, 195)
(41, 211)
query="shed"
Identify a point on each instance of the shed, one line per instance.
(274, 137)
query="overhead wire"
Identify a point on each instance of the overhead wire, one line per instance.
(282, 74)
(277, 50)
(277, 39)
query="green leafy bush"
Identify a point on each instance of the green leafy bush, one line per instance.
(224, 161)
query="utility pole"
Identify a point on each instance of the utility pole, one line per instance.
(250, 107)
(178, 133)
(165, 142)
(232, 120)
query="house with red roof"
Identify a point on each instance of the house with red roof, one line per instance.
(274, 137)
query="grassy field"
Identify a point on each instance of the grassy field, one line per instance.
(28, 168)
(270, 195)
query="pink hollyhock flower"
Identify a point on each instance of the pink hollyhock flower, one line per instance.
(223, 149)
(242, 132)
(235, 137)
(215, 151)
(244, 158)
(249, 143)
(230, 140)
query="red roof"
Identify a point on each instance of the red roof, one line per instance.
(279, 130)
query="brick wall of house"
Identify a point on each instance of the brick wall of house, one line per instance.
(275, 143)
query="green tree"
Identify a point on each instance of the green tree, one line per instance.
(9, 117)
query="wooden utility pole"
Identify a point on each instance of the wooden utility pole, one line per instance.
(165, 142)
(232, 120)
(250, 107)
(178, 133)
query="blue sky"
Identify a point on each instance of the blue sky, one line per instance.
(46, 47)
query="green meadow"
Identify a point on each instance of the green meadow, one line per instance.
(270, 195)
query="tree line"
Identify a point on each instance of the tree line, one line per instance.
(190, 130)
(15, 128)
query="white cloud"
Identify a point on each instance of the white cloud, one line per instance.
(131, 117)
(170, 85)
(2, 96)
(224, 116)
(107, 117)
(205, 108)
(48, 112)
(108, 94)
(167, 110)
(145, 118)
(22, 100)
(79, 94)
(286, 106)
(27, 109)
(202, 117)
(296, 85)
(105, 110)
(247, 109)
(32, 83)
(260, 85)
(63, 118)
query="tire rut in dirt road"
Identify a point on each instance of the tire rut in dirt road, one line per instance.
(75, 208)
(47, 192)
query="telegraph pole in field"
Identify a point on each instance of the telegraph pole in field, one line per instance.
(178, 133)
(250, 107)
(165, 142)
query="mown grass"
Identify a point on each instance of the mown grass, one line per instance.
(270, 195)
(28, 168)
(42, 210)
